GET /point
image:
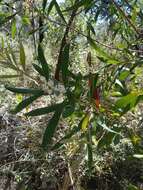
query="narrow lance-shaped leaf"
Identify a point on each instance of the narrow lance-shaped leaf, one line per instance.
(43, 62)
(59, 11)
(44, 110)
(65, 62)
(51, 128)
(2, 43)
(23, 90)
(41, 32)
(13, 29)
(132, 187)
(38, 69)
(90, 27)
(129, 99)
(22, 56)
(50, 6)
(69, 109)
(85, 122)
(44, 4)
(26, 102)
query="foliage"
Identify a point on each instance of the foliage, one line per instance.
(97, 91)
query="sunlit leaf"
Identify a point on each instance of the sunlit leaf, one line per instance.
(140, 156)
(132, 187)
(22, 56)
(129, 99)
(19, 98)
(13, 29)
(124, 74)
(85, 122)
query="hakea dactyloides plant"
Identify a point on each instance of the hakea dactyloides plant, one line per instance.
(93, 120)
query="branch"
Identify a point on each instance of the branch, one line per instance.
(95, 40)
(126, 17)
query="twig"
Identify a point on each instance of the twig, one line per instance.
(125, 16)
(95, 40)
(23, 161)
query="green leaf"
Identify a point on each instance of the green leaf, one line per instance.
(106, 140)
(44, 110)
(90, 27)
(124, 74)
(68, 110)
(59, 11)
(129, 99)
(26, 20)
(22, 56)
(50, 6)
(38, 69)
(2, 42)
(132, 187)
(65, 62)
(57, 7)
(85, 122)
(44, 4)
(26, 102)
(24, 90)
(13, 29)
(43, 62)
(51, 128)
